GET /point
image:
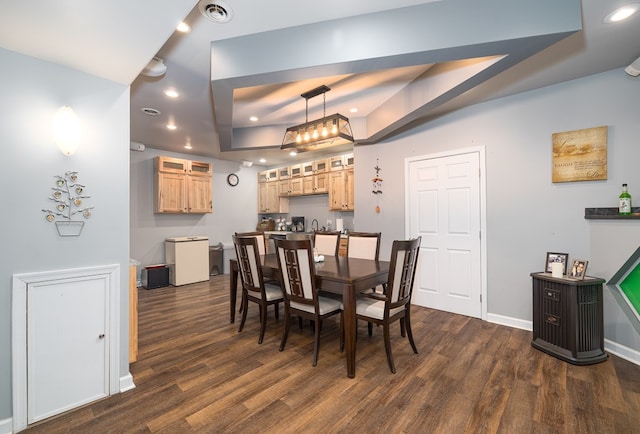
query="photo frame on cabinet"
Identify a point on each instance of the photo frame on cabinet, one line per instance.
(556, 257)
(578, 269)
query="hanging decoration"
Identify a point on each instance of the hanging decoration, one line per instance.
(377, 184)
(68, 198)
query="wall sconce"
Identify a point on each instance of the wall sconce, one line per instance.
(66, 130)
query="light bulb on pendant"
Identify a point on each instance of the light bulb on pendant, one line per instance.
(298, 137)
(306, 136)
(325, 133)
(315, 132)
(334, 127)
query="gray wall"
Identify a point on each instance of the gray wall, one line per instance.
(527, 215)
(32, 90)
(235, 209)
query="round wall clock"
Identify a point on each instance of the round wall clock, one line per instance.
(232, 179)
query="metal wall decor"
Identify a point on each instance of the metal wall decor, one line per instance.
(377, 185)
(68, 199)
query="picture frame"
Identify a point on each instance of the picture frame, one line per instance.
(556, 257)
(578, 269)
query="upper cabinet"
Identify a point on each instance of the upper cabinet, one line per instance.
(182, 186)
(341, 190)
(341, 162)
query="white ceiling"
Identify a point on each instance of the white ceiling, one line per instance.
(116, 39)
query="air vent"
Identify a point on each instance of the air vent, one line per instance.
(150, 111)
(216, 11)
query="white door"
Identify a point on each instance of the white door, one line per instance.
(444, 208)
(67, 345)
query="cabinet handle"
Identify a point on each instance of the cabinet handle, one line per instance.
(101, 336)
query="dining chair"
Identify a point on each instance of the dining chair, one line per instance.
(295, 260)
(395, 304)
(326, 242)
(364, 245)
(259, 235)
(254, 287)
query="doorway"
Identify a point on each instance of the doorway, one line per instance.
(446, 206)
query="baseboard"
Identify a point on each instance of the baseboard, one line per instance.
(510, 321)
(623, 352)
(615, 348)
(6, 426)
(126, 383)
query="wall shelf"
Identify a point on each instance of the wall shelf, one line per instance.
(610, 214)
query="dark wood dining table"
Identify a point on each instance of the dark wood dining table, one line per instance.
(337, 274)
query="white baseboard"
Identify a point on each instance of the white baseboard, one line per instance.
(6, 426)
(126, 383)
(510, 321)
(623, 352)
(619, 350)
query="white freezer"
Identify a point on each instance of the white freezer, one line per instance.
(188, 259)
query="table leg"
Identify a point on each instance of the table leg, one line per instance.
(233, 288)
(350, 324)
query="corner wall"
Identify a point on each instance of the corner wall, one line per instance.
(32, 90)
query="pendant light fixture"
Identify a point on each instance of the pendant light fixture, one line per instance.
(327, 131)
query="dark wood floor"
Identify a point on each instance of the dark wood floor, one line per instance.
(196, 373)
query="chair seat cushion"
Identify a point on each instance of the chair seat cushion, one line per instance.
(373, 308)
(325, 305)
(272, 292)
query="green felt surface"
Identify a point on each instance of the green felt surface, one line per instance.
(631, 287)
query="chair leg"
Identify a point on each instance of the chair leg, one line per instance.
(387, 347)
(402, 328)
(263, 322)
(409, 333)
(277, 310)
(285, 332)
(244, 314)
(316, 343)
(341, 332)
(300, 322)
(370, 328)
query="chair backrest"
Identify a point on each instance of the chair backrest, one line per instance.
(402, 270)
(363, 245)
(326, 242)
(247, 251)
(295, 260)
(259, 235)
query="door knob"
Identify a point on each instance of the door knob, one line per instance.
(101, 336)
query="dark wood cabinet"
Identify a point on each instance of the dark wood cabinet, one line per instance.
(568, 319)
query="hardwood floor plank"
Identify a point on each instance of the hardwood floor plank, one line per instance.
(197, 373)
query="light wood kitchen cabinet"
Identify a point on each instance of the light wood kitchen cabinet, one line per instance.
(315, 167)
(341, 190)
(182, 186)
(296, 186)
(295, 170)
(341, 162)
(269, 200)
(284, 188)
(315, 184)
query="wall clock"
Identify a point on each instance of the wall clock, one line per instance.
(232, 179)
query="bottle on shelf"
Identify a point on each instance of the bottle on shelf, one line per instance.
(624, 207)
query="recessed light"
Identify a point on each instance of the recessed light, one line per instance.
(188, 146)
(263, 160)
(622, 13)
(353, 110)
(253, 119)
(171, 93)
(183, 27)
(293, 153)
(171, 126)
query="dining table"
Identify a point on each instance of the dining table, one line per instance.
(336, 274)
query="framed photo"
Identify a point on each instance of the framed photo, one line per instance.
(556, 257)
(578, 269)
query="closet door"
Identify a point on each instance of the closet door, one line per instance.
(67, 345)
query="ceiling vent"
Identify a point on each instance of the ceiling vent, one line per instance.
(155, 68)
(150, 111)
(216, 11)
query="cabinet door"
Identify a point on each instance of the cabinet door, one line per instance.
(200, 195)
(284, 173)
(307, 168)
(308, 185)
(321, 166)
(296, 170)
(198, 168)
(297, 186)
(284, 187)
(263, 199)
(171, 165)
(336, 191)
(263, 176)
(349, 190)
(171, 192)
(321, 183)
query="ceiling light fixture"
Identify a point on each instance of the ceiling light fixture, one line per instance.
(327, 131)
(155, 68)
(183, 27)
(171, 93)
(622, 13)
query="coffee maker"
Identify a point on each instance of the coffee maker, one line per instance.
(297, 224)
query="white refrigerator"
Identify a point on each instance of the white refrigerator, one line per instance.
(188, 259)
